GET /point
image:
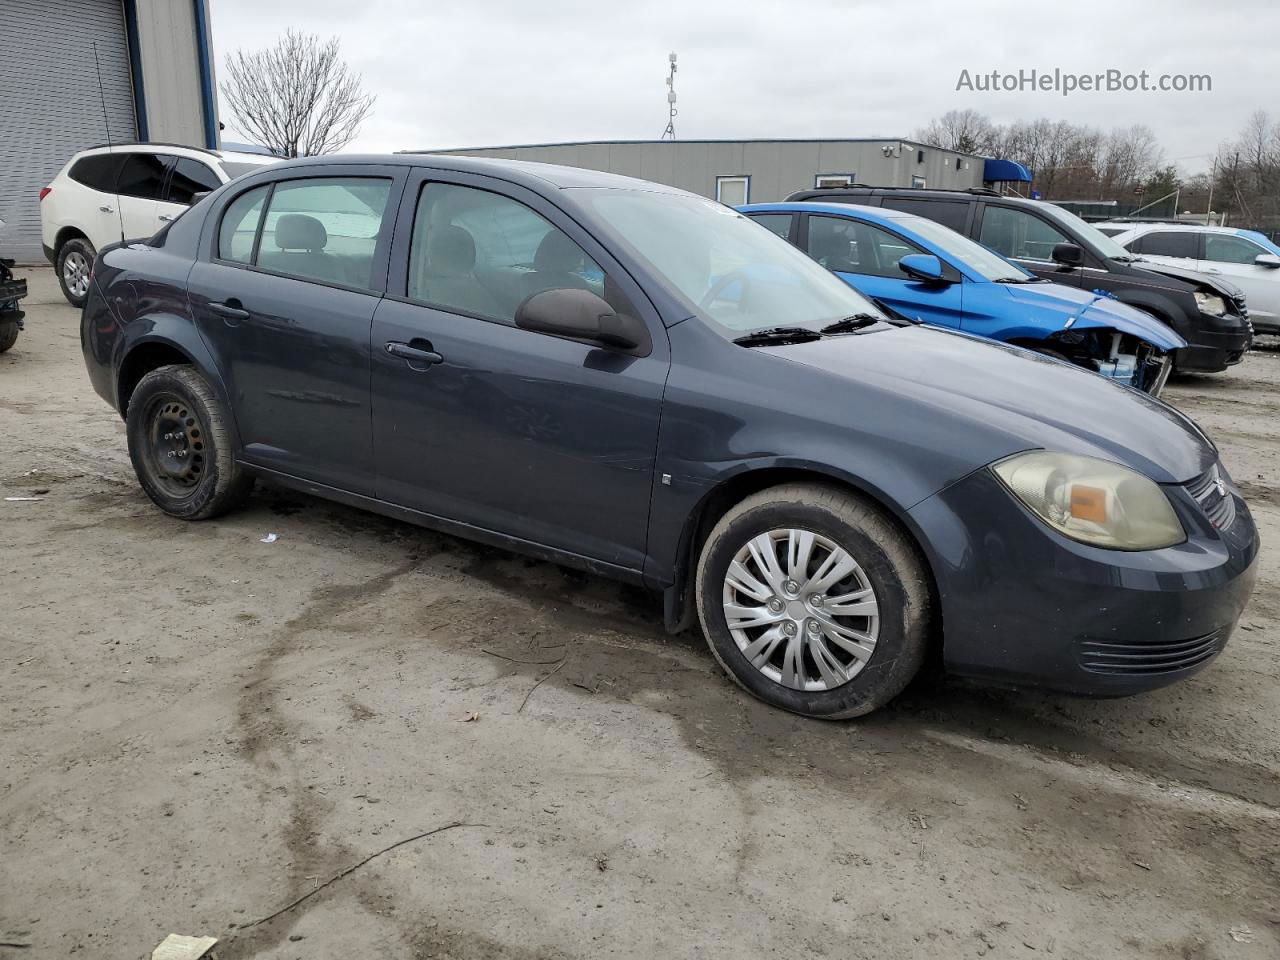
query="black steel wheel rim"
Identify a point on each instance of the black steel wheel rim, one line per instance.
(175, 445)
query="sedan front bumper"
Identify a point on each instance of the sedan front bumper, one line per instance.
(1024, 605)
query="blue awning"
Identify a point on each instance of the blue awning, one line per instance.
(1002, 171)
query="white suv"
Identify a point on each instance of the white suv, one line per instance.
(126, 191)
(1244, 257)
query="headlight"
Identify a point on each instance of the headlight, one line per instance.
(1093, 501)
(1211, 303)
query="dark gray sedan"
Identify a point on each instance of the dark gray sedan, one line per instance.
(623, 377)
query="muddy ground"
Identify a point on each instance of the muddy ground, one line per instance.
(199, 728)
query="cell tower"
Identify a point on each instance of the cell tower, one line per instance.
(670, 132)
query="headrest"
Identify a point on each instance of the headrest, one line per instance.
(297, 231)
(451, 251)
(557, 254)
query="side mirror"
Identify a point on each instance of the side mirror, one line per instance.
(1067, 254)
(923, 267)
(1267, 260)
(580, 315)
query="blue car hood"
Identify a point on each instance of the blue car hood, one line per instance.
(1003, 399)
(1091, 310)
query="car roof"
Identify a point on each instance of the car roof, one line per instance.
(836, 209)
(1173, 227)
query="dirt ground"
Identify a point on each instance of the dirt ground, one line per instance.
(199, 728)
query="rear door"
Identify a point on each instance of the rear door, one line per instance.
(95, 206)
(531, 436)
(866, 257)
(138, 189)
(1178, 248)
(284, 297)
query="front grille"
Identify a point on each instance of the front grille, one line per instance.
(1147, 659)
(1211, 493)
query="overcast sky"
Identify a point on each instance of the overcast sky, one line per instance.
(495, 72)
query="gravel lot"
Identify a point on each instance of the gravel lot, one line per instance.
(199, 728)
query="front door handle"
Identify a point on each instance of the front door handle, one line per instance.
(419, 357)
(166, 218)
(231, 311)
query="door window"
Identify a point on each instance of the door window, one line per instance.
(479, 253)
(851, 246)
(779, 223)
(98, 171)
(323, 228)
(733, 191)
(1166, 243)
(1019, 235)
(1222, 248)
(188, 178)
(949, 213)
(142, 176)
(240, 225)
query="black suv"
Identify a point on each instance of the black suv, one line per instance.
(1059, 246)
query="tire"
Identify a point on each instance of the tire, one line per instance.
(74, 261)
(8, 334)
(887, 563)
(181, 447)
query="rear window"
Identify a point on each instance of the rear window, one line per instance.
(949, 213)
(98, 171)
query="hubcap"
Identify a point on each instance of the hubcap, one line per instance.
(801, 609)
(175, 445)
(75, 273)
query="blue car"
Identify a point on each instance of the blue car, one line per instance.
(926, 271)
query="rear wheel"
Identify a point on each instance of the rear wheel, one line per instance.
(814, 601)
(8, 334)
(181, 447)
(75, 261)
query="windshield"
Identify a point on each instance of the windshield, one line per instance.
(983, 262)
(1102, 244)
(735, 272)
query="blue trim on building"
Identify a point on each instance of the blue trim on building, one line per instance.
(206, 76)
(1004, 171)
(135, 68)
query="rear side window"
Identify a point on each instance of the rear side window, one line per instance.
(142, 176)
(325, 228)
(779, 223)
(949, 213)
(481, 253)
(240, 226)
(188, 178)
(98, 171)
(1166, 243)
(1019, 235)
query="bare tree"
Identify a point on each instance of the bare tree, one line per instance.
(965, 131)
(297, 98)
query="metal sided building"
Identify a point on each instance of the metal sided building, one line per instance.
(151, 79)
(756, 171)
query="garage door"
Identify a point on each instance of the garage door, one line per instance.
(50, 103)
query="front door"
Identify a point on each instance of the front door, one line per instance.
(186, 178)
(866, 257)
(1233, 258)
(531, 436)
(285, 305)
(1028, 240)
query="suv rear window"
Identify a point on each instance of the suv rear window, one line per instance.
(949, 213)
(98, 171)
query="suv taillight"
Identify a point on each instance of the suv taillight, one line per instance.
(44, 192)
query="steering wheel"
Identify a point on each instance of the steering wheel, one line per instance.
(719, 287)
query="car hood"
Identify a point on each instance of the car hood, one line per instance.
(1216, 284)
(1006, 399)
(1083, 309)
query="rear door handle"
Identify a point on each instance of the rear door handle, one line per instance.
(231, 311)
(105, 209)
(419, 357)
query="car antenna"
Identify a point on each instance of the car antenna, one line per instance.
(106, 121)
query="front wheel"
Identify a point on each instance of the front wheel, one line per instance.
(181, 446)
(814, 600)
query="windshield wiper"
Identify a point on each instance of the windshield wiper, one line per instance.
(850, 324)
(772, 336)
